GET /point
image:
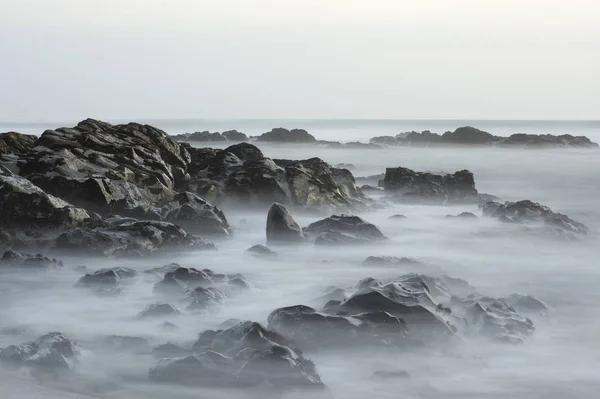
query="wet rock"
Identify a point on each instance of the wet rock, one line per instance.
(344, 229)
(548, 141)
(532, 212)
(281, 226)
(391, 261)
(162, 310)
(162, 270)
(192, 277)
(422, 187)
(261, 251)
(209, 369)
(464, 215)
(201, 298)
(125, 236)
(106, 277)
(198, 216)
(50, 352)
(282, 135)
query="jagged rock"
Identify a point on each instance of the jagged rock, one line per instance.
(50, 352)
(261, 251)
(31, 262)
(532, 212)
(162, 270)
(197, 216)
(16, 143)
(281, 226)
(201, 298)
(126, 236)
(108, 169)
(287, 136)
(410, 186)
(106, 277)
(159, 310)
(206, 136)
(344, 229)
(391, 261)
(548, 140)
(250, 356)
(26, 206)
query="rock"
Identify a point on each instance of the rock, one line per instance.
(532, 212)
(366, 187)
(192, 277)
(526, 304)
(468, 135)
(385, 140)
(251, 356)
(26, 206)
(397, 216)
(198, 216)
(344, 229)
(16, 143)
(170, 350)
(201, 298)
(348, 166)
(138, 345)
(464, 215)
(389, 375)
(162, 310)
(126, 236)
(234, 135)
(50, 352)
(281, 226)
(548, 141)
(106, 277)
(161, 271)
(391, 261)
(206, 136)
(29, 262)
(410, 186)
(261, 251)
(282, 135)
(108, 168)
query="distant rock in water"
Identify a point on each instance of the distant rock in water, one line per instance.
(527, 211)
(463, 215)
(420, 187)
(281, 226)
(261, 251)
(468, 135)
(206, 136)
(391, 261)
(281, 135)
(234, 135)
(12, 259)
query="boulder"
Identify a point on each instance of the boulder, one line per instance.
(397, 216)
(20, 261)
(198, 216)
(51, 352)
(421, 187)
(201, 298)
(261, 251)
(527, 211)
(281, 226)
(344, 229)
(126, 236)
(463, 215)
(16, 143)
(106, 277)
(282, 135)
(234, 135)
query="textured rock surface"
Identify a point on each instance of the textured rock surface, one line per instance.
(344, 229)
(50, 352)
(281, 226)
(282, 135)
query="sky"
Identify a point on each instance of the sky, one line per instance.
(394, 59)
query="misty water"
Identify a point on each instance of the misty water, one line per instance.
(561, 360)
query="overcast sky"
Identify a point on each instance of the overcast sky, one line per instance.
(127, 59)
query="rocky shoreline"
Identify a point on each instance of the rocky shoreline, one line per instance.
(131, 190)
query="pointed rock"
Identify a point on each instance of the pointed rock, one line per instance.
(281, 226)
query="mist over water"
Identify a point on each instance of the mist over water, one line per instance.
(561, 359)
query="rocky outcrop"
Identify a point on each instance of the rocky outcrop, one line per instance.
(527, 211)
(241, 174)
(230, 135)
(16, 143)
(472, 136)
(15, 260)
(109, 277)
(343, 229)
(234, 135)
(160, 310)
(281, 135)
(51, 352)
(406, 185)
(197, 216)
(281, 226)
(206, 136)
(261, 251)
(243, 356)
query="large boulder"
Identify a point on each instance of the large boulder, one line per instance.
(127, 236)
(197, 216)
(26, 206)
(343, 229)
(51, 352)
(527, 211)
(281, 226)
(410, 186)
(282, 135)
(108, 168)
(16, 143)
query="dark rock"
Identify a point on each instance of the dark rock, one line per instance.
(468, 135)
(106, 277)
(410, 186)
(391, 261)
(397, 216)
(464, 215)
(281, 226)
(282, 135)
(385, 140)
(162, 270)
(162, 310)
(261, 251)
(234, 135)
(344, 229)
(30, 262)
(16, 143)
(197, 216)
(191, 277)
(548, 140)
(532, 212)
(206, 136)
(123, 236)
(201, 298)
(50, 352)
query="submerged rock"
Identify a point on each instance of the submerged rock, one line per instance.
(281, 226)
(50, 352)
(463, 215)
